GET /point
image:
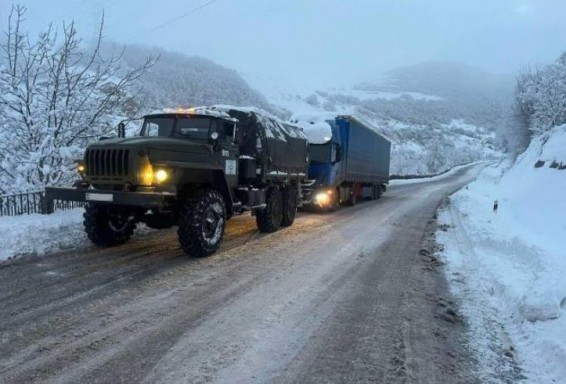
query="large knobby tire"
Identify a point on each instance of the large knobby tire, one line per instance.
(106, 225)
(289, 204)
(269, 219)
(202, 220)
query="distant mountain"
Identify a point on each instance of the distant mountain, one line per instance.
(437, 114)
(467, 92)
(448, 79)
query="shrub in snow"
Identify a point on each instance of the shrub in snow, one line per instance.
(540, 306)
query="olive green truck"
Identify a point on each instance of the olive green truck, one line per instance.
(194, 169)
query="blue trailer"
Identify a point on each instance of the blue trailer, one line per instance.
(350, 163)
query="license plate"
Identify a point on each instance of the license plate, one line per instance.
(99, 197)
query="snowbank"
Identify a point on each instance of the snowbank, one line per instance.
(37, 235)
(510, 265)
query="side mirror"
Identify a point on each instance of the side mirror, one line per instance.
(121, 129)
(213, 138)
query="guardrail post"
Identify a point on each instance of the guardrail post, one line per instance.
(46, 205)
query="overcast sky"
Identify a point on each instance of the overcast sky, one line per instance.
(324, 42)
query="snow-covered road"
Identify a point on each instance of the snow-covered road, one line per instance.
(352, 296)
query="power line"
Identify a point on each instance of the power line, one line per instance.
(177, 18)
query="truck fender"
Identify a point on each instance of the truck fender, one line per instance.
(220, 183)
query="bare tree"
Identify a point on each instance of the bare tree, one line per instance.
(55, 98)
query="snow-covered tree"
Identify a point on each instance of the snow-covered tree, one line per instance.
(540, 97)
(55, 98)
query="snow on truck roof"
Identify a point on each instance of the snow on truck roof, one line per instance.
(318, 129)
(274, 126)
(316, 132)
(199, 111)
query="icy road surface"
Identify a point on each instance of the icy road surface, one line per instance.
(352, 296)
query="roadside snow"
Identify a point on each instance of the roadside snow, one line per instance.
(510, 266)
(38, 235)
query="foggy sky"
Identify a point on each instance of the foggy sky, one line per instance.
(324, 42)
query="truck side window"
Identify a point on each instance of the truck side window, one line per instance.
(229, 131)
(333, 153)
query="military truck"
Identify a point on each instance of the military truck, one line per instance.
(194, 169)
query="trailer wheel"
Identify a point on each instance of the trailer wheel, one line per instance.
(202, 220)
(289, 204)
(107, 225)
(269, 219)
(377, 191)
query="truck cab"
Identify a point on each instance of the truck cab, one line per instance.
(348, 161)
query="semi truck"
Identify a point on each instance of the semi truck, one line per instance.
(194, 169)
(349, 161)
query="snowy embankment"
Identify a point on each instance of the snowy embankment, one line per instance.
(508, 267)
(37, 235)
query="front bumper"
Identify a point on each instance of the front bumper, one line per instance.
(137, 199)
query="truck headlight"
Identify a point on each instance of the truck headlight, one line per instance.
(145, 173)
(322, 198)
(81, 168)
(161, 175)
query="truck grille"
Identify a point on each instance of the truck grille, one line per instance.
(107, 163)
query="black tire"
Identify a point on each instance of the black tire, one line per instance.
(377, 191)
(269, 219)
(289, 204)
(107, 225)
(202, 221)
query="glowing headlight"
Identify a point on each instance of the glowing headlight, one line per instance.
(322, 198)
(145, 173)
(161, 175)
(81, 167)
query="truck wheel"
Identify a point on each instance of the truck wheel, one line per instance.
(105, 227)
(269, 219)
(202, 221)
(289, 203)
(377, 191)
(352, 199)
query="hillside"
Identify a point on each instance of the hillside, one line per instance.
(180, 80)
(437, 114)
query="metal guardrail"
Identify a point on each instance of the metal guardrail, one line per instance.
(33, 202)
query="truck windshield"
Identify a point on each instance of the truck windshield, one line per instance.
(193, 127)
(157, 126)
(319, 153)
(167, 126)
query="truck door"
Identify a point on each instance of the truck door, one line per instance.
(228, 150)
